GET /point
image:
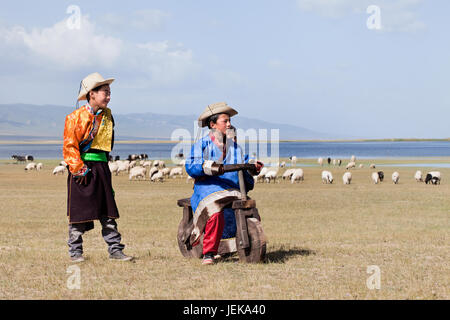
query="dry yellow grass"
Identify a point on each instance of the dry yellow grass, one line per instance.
(321, 239)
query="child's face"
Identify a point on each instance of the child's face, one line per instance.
(101, 97)
(223, 123)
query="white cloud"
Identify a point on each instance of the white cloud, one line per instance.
(148, 20)
(396, 15)
(163, 62)
(61, 46)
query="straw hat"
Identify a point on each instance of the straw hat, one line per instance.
(215, 108)
(92, 81)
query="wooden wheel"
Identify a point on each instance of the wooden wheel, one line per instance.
(257, 250)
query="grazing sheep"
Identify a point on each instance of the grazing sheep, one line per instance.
(177, 171)
(30, 166)
(113, 167)
(293, 161)
(297, 175)
(327, 177)
(59, 170)
(288, 174)
(137, 172)
(123, 166)
(165, 172)
(271, 175)
(39, 166)
(262, 174)
(132, 164)
(146, 163)
(395, 177)
(418, 176)
(350, 165)
(152, 171)
(347, 177)
(157, 176)
(375, 177)
(434, 177)
(320, 161)
(372, 166)
(381, 175)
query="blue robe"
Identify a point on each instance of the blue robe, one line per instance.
(213, 193)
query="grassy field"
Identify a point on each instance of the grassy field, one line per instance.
(321, 240)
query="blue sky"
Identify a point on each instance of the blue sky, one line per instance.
(311, 63)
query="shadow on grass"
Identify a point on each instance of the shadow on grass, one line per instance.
(282, 254)
(277, 255)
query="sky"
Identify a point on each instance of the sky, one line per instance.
(360, 68)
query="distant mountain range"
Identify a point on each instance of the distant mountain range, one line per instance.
(47, 122)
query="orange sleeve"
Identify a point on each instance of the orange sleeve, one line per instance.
(75, 129)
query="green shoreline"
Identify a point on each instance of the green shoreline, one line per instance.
(2, 142)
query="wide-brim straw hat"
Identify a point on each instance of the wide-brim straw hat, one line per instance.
(92, 81)
(215, 108)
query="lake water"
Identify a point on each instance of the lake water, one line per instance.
(342, 150)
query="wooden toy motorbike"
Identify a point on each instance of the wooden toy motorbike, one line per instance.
(250, 241)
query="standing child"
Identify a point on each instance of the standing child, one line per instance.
(88, 140)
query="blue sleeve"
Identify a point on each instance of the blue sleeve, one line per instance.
(194, 163)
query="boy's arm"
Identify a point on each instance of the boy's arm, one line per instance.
(71, 152)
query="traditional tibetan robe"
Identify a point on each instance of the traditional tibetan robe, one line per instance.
(215, 193)
(88, 139)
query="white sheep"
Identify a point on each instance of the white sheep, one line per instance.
(30, 166)
(157, 176)
(283, 164)
(271, 175)
(395, 177)
(297, 175)
(350, 165)
(124, 166)
(334, 162)
(177, 171)
(59, 170)
(434, 177)
(353, 159)
(347, 177)
(372, 166)
(39, 166)
(361, 166)
(293, 161)
(262, 174)
(113, 167)
(147, 163)
(152, 171)
(165, 172)
(320, 161)
(327, 177)
(137, 172)
(288, 174)
(375, 177)
(63, 163)
(418, 176)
